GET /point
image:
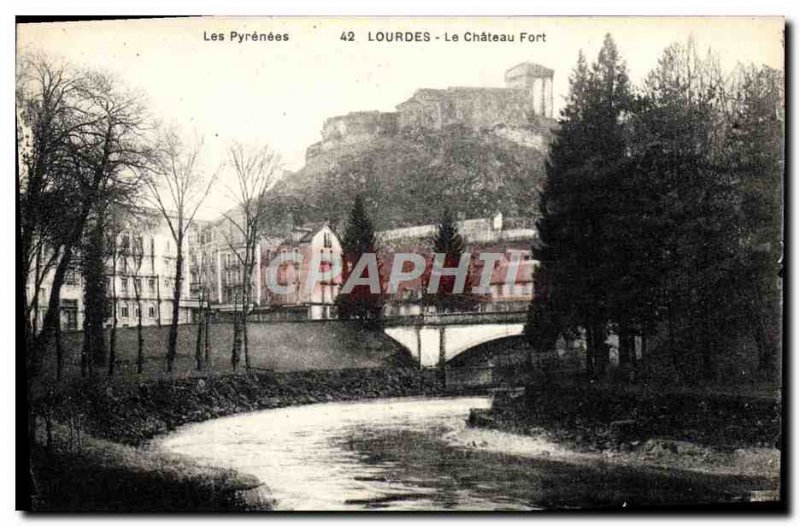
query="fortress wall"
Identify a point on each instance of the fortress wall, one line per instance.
(529, 90)
(486, 108)
(363, 123)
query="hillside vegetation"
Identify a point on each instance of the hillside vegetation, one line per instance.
(409, 178)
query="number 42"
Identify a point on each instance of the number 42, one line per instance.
(348, 36)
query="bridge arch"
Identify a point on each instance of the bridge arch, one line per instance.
(497, 351)
(430, 344)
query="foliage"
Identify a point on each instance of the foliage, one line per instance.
(661, 211)
(449, 242)
(579, 203)
(404, 179)
(361, 303)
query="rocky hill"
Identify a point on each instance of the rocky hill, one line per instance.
(409, 178)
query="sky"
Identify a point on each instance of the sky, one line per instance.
(280, 93)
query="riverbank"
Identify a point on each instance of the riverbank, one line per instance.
(81, 473)
(702, 432)
(88, 453)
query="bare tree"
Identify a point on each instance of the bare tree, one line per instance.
(117, 251)
(81, 142)
(133, 256)
(255, 172)
(200, 287)
(177, 189)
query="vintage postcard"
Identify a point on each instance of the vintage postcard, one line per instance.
(400, 264)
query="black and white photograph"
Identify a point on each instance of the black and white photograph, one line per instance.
(430, 264)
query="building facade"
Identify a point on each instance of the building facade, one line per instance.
(297, 276)
(510, 278)
(139, 272)
(281, 285)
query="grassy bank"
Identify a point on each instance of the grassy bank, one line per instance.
(87, 454)
(278, 346)
(607, 417)
(701, 431)
(82, 473)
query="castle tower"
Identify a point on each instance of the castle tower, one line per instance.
(536, 80)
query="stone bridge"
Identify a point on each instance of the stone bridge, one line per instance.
(438, 338)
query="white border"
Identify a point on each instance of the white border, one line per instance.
(789, 9)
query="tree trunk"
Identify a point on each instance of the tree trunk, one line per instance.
(626, 349)
(198, 355)
(597, 353)
(643, 358)
(158, 300)
(765, 351)
(52, 315)
(59, 353)
(235, 347)
(206, 357)
(112, 345)
(590, 373)
(84, 349)
(95, 296)
(35, 301)
(139, 333)
(246, 302)
(172, 343)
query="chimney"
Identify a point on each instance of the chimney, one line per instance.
(497, 221)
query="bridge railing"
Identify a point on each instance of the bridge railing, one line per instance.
(457, 318)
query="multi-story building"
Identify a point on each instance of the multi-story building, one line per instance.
(280, 286)
(140, 271)
(509, 240)
(304, 266)
(140, 274)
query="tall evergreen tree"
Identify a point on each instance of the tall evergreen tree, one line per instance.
(448, 241)
(678, 143)
(361, 303)
(754, 151)
(585, 175)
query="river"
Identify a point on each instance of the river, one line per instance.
(391, 454)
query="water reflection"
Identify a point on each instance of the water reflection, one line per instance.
(388, 454)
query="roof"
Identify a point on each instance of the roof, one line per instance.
(438, 94)
(305, 233)
(531, 68)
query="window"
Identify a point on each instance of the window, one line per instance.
(125, 242)
(137, 282)
(136, 311)
(326, 240)
(124, 309)
(69, 314)
(124, 285)
(70, 278)
(151, 283)
(151, 311)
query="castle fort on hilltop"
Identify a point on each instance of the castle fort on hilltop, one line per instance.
(528, 90)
